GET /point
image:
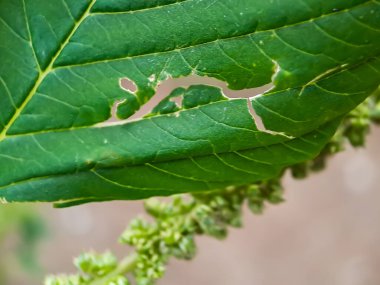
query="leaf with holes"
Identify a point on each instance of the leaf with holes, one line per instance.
(63, 63)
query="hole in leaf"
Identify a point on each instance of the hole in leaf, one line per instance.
(114, 107)
(128, 85)
(259, 122)
(164, 88)
(178, 100)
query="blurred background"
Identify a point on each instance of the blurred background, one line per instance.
(327, 232)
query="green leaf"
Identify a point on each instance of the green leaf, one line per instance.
(62, 63)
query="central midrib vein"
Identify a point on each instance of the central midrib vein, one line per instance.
(42, 74)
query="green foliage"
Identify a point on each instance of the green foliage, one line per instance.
(171, 234)
(62, 63)
(96, 265)
(93, 268)
(177, 222)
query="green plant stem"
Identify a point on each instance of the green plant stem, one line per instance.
(126, 265)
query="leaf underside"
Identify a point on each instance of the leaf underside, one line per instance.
(62, 62)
